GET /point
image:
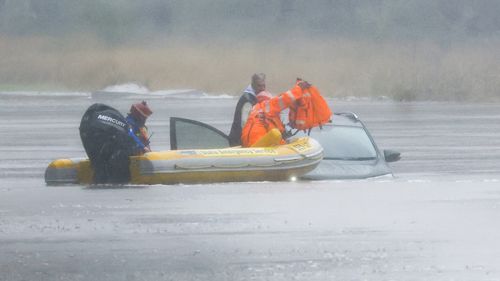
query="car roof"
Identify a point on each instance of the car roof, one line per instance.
(346, 119)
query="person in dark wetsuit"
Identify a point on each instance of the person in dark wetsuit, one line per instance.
(109, 140)
(247, 100)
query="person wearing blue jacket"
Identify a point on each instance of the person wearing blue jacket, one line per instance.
(136, 119)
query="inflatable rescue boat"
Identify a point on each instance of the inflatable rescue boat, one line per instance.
(283, 162)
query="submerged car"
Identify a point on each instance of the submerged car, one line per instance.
(349, 150)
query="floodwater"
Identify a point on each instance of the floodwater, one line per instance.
(438, 219)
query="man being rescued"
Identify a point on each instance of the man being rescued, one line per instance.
(264, 126)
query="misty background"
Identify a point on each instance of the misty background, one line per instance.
(405, 50)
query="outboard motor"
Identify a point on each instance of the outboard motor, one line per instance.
(104, 134)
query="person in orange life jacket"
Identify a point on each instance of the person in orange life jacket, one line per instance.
(136, 119)
(247, 100)
(265, 115)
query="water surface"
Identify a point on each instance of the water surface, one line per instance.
(436, 220)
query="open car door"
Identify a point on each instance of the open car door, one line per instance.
(191, 134)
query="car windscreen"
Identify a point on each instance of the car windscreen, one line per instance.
(345, 143)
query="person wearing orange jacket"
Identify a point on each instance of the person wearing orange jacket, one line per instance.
(265, 115)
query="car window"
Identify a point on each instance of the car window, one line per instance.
(344, 142)
(191, 134)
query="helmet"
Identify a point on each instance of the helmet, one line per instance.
(140, 111)
(264, 95)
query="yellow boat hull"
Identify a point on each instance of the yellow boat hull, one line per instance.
(277, 163)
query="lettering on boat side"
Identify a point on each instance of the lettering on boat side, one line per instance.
(301, 146)
(231, 152)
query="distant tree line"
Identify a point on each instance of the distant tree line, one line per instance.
(124, 20)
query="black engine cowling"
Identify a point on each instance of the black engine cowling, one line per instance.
(104, 134)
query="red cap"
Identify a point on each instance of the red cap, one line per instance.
(140, 110)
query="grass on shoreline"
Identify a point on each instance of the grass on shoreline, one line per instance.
(340, 68)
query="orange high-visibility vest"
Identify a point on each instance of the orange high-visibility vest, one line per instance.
(310, 110)
(265, 116)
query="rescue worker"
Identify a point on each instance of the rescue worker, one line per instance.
(247, 100)
(136, 119)
(265, 115)
(109, 140)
